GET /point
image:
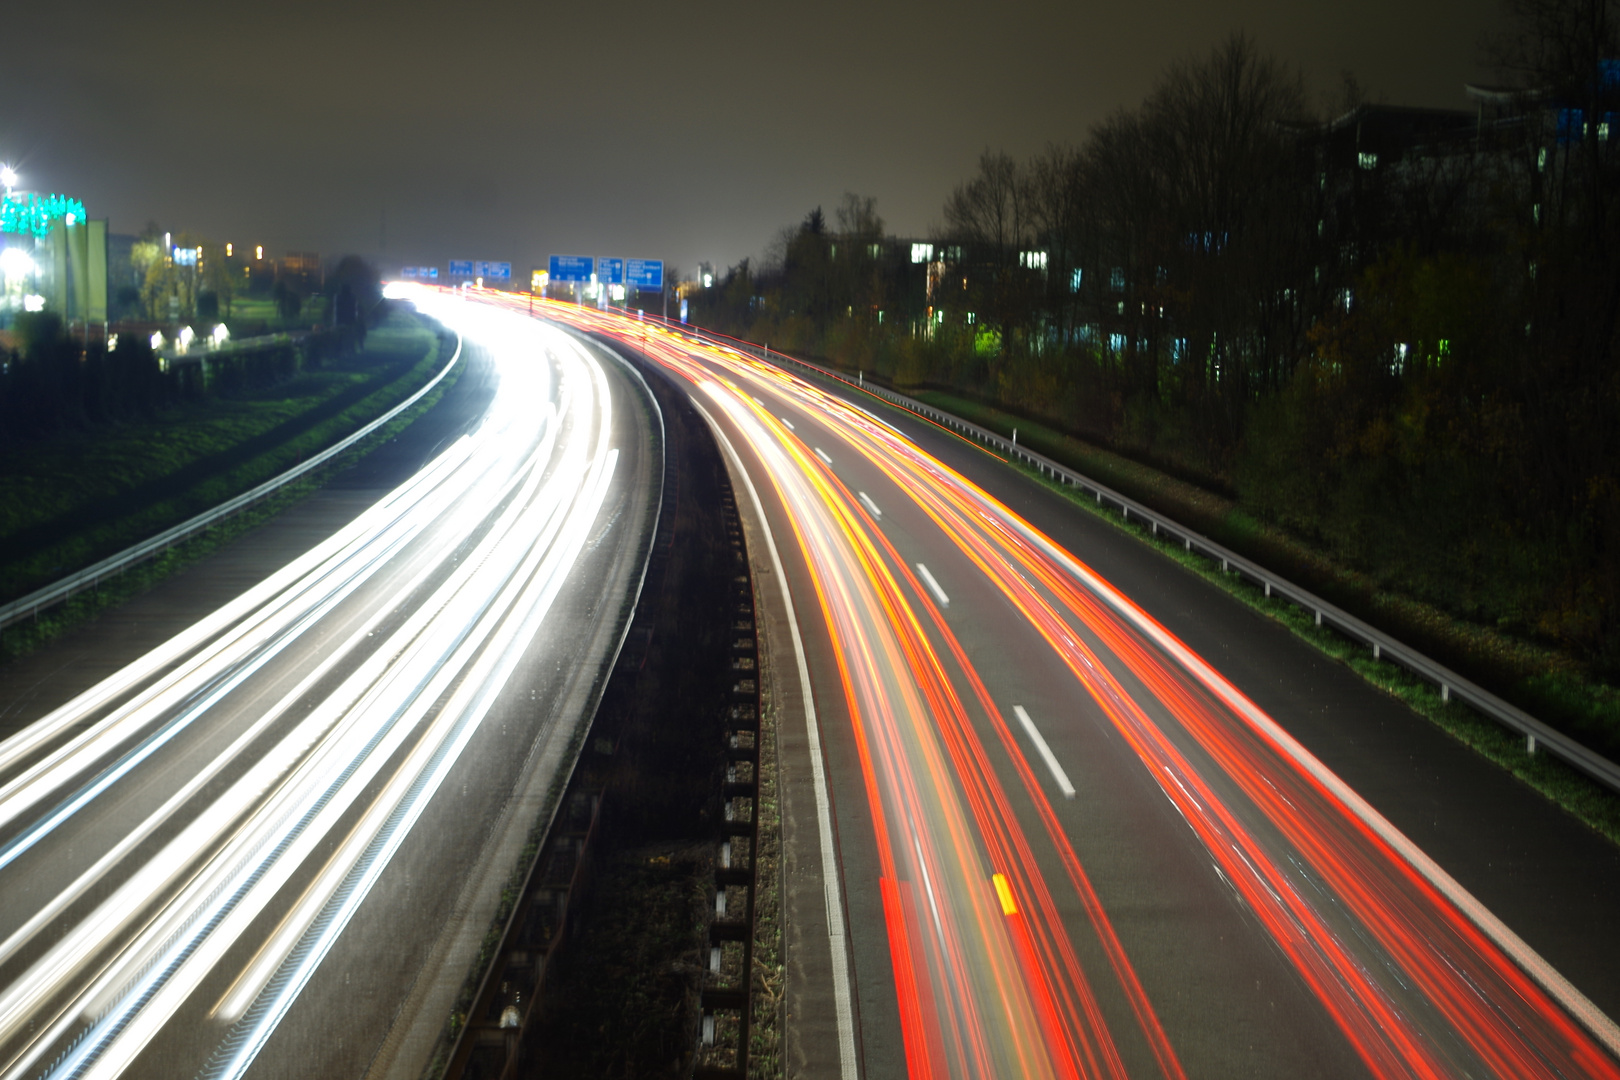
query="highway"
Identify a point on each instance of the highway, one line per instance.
(1062, 841)
(255, 847)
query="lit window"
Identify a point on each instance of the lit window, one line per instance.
(921, 253)
(1367, 160)
(1032, 260)
(970, 318)
(874, 250)
(1075, 276)
(1116, 279)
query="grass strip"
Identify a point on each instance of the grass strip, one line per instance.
(1581, 796)
(1548, 683)
(22, 638)
(73, 501)
(765, 1061)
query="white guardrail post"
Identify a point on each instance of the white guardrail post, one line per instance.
(31, 605)
(1538, 736)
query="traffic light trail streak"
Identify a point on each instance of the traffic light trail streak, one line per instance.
(318, 714)
(1418, 979)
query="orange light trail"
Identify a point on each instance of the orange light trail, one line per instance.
(986, 974)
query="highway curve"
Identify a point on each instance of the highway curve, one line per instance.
(1067, 842)
(280, 834)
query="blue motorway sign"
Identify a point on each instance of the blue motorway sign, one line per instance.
(610, 271)
(645, 274)
(498, 270)
(428, 273)
(572, 267)
(461, 268)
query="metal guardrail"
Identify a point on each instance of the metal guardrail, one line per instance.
(1538, 736)
(31, 605)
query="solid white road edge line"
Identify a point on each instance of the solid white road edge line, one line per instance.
(1045, 751)
(832, 889)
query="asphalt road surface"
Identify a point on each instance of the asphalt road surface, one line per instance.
(272, 843)
(1092, 818)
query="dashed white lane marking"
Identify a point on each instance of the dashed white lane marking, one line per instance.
(1045, 751)
(933, 586)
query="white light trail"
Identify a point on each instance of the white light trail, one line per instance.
(525, 491)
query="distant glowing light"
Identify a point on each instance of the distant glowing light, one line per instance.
(258, 252)
(187, 336)
(31, 213)
(33, 302)
(15, 263)
(220, 335)
(8, 177)
(157, 341)
(228, 250)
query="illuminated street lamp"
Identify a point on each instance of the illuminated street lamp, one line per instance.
(8, 177)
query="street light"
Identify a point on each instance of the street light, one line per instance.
(8, 177)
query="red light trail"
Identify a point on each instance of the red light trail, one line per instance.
(986, 969)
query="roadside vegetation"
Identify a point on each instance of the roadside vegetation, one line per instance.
(70, 500)
(1588, 800)
(1371, 347)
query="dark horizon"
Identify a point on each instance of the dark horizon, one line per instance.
(508, 135)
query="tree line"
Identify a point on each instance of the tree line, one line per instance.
(58, 380)
(1390, 331)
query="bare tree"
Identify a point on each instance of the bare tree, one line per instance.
(858, 217)
(991, 209)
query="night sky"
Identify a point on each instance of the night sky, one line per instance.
(416, 133)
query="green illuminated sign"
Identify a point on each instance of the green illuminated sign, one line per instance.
(28, 212)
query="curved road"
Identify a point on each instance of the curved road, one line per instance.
(278, 836)
(1068, 843)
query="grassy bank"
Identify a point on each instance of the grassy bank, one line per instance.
(1542, 680)
(69, 502)
(24, 637)
(1593, 803)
